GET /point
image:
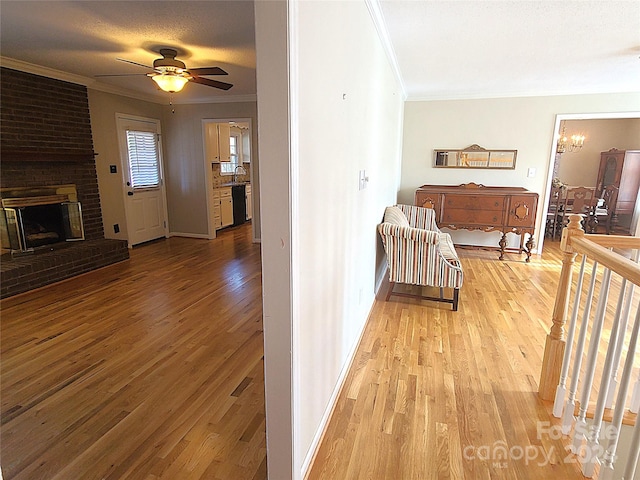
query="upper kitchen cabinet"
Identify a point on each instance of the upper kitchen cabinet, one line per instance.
(217, 147)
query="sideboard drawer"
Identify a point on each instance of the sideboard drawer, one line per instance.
(475, 202)
(461, 216)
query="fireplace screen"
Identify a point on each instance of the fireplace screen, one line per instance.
(30, 222)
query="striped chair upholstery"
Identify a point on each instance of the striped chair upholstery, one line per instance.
(421, 254)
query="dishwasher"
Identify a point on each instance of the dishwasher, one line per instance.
(239, 204)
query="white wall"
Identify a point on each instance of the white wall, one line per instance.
(346, 116)
(184, 163)
(103, 108)
(580, 168)
(350, 115)
(526, 124)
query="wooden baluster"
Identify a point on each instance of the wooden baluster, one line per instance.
(607, 467)
(632, 461)
(562, 386)
(635, 398)
(624, 322)
(592, 358)
(567, 418)
(593, 442)
(555, 343)
(613, 385)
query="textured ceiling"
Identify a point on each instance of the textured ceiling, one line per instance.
(444, 48)
(471, 49)
(86, 38)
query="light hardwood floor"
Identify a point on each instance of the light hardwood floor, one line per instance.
(149, 369)
(153, 369)
(436, 394)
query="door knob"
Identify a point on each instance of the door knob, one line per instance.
(130, 194)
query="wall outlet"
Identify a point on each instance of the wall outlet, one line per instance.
(113, 169)
(116, 228)
(531, 172)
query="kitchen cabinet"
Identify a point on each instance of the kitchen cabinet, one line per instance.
(216, 218)
(247, 193)
(217, 147)
(222, 215)
(226, 207)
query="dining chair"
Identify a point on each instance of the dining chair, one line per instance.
(580, 200)
(553, 226)
(604, 210)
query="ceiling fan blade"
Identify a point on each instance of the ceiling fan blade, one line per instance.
(134, 63)
(207, 71)
(120, 75)
(211, 83)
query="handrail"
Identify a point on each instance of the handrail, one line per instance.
(558, 349)
(613, 261)
(574, 241)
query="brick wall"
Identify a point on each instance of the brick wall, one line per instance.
(44, 115)
(45, 139)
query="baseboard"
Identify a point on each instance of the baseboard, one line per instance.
(333, 400)
(191, 235)
(381, 276)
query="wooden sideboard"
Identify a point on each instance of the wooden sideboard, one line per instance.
(490, 209)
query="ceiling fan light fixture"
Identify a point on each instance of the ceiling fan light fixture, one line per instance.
(170, 82)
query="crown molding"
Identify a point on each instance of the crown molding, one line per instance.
(220, 99)
(383, 33)
(94, 84)
(77, 79)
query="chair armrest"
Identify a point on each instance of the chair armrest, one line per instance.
(420, 257)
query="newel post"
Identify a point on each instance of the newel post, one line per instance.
(555, 344)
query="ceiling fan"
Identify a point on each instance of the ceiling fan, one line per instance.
(172, 74)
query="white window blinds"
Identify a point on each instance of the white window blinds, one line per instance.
(143, 159)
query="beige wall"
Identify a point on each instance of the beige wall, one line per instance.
(184, 163)
(183, 159)
(581, 168)
(103, 108)
(526, 124)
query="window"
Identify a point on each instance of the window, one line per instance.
(143, 159)
(229, 168)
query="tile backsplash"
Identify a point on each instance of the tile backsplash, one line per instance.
(220, 179)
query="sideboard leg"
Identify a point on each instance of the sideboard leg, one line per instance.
(530, 246)
(503, 244)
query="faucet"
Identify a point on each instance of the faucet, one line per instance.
(235, 173)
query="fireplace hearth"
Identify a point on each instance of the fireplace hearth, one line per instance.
(43, 241)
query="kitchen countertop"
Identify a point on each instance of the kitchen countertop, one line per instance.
(232, 184)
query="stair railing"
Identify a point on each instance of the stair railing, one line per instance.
(560, 358)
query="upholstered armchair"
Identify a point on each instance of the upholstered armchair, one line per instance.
(418, 253)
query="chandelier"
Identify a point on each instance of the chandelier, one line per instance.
(577, 141)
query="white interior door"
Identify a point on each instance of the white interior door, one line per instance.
(145, 204)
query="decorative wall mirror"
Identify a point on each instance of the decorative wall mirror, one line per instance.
(475, 157)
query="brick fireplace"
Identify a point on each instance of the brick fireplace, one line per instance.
(45, 141)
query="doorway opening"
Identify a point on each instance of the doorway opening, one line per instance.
(228, 150)
(603, 131)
